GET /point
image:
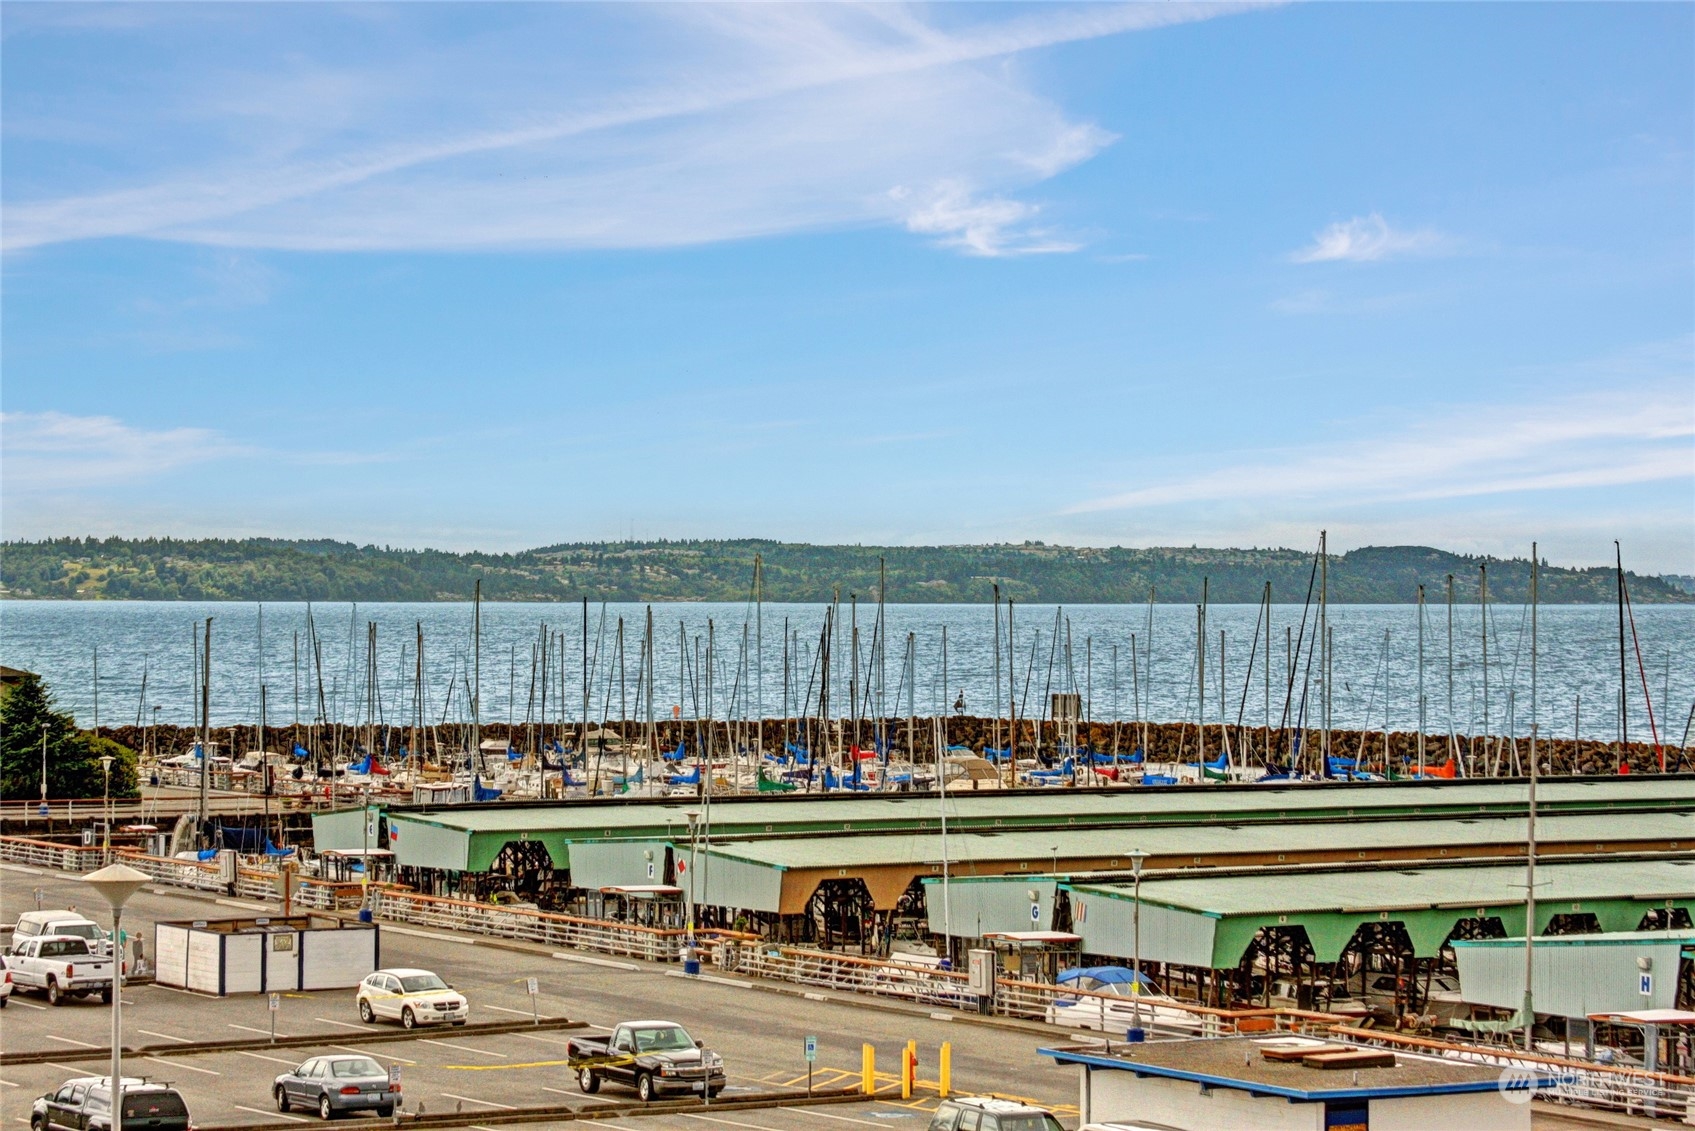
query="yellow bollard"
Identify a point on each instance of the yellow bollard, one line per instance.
(944, 1070)
(868, 1069)
(908, 1069)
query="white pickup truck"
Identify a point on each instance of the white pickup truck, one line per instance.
(62, 966)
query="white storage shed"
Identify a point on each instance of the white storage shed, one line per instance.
(264, 955)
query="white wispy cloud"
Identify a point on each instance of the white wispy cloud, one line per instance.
(1366, 239)
(55, 450)
(992, 227)
(752, 120)
(1575, 442)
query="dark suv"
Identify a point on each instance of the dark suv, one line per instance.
(981, 1113)
(85, 1104)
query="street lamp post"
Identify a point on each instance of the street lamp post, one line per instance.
(691, 962)
(117, 882)
(44, 769)
(1137, 859)
(106, 761)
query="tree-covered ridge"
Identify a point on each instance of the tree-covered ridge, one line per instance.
(270, 569)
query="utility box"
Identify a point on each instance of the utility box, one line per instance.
(264, 955)
(980, 972)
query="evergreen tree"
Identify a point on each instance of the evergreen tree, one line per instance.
(73, 769)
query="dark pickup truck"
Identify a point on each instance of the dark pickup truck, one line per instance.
(85, 1104)
(657, 1058)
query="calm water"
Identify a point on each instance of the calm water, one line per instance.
(1376, 661)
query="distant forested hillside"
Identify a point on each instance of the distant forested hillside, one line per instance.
(267, 569)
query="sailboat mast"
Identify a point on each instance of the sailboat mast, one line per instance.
(1201, 672)
(1011, 702)
(477, 669)
(584, 746)
(1530, 832)
(759, 657)
(1483, 621)
(652, 725)
(996, 740)
(1623, 701)
(1324, 642)
(1421, 712)
(205, 729)
(882, 643)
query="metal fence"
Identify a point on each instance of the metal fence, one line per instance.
(845, 972)
(1112, 1014)
(1634, 1091)
(55, 855)
(605, 937)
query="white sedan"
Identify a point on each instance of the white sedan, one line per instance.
(412, 997)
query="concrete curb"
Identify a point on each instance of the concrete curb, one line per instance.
(380, 1036)
(561, 1113)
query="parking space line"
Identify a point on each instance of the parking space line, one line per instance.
(8, 1083)
(543, 1040)
(343, 1024)
(579, 1095)
(63, 1067)
(166, 1036)
(251, 1029)
(375, 1053)
(26, 1004)
(475, 1100)
(461, 1048)
(69, 1041)
(189, 1067)
(827, 1115)
(726, 1122)
(272, 1059)
(273, 1114)
(244, 906)
(519, 1012)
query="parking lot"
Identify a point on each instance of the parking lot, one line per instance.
(760, 1034)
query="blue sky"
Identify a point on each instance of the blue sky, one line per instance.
(497, 276)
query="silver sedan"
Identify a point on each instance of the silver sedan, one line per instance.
(333, 1085)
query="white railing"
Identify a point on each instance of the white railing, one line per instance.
(51, 854)
(846, 972)
(1622, 1088)
(606, 937)
(1112, 1014)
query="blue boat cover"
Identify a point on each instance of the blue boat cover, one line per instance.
(1111, 975)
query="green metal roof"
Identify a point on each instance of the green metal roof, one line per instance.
(754, 815)
(1209, 920)
(1395, 889)
(1605, 938)
(1051, 850)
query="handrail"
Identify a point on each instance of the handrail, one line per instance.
(1506, 1053)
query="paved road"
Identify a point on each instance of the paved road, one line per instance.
(759, 1033)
